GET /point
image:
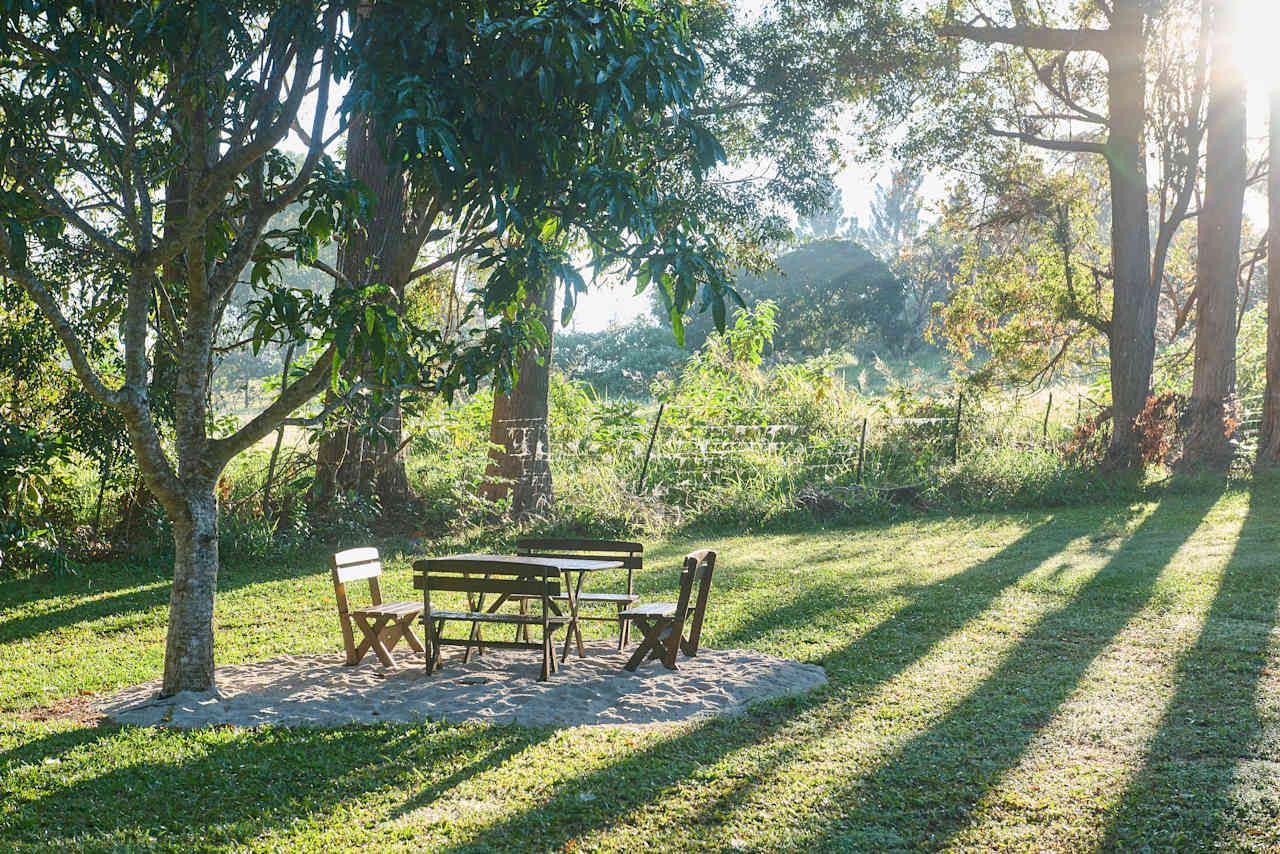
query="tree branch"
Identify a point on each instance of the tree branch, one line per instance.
(1035, 38)
(43, 298)
(1077, 146)
(298, 393)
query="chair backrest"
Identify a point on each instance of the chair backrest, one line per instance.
(510, 577)
(698, 569)
(353, 565)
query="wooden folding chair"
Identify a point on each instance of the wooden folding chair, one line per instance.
(631, 555)
(382, 624)
(501, 577)
(663, 623)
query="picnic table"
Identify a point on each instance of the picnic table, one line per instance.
(566, 567)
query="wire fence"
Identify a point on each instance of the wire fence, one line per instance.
(876, 448)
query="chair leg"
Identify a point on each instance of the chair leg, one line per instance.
(647, 645)
(373, 639)
(406, 632)
(548, 658)
(622, 628)
(433, 661)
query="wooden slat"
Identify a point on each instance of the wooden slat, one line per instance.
(364, 554)
(511, 587)
(572, 544)
(490, 564)
(624, 561)
(486, 617)
(652, 609)
(490, 644)
(390, 609)
(356, 571)
(602, 597)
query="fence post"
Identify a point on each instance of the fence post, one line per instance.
(1044, 432)
(862, 445)
(955, 439)
(653, 435)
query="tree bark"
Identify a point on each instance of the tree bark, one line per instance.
(188, 659)
(1269, 442)
(384, 252)
(519, 438)
(1134, 296)
(1208, 444)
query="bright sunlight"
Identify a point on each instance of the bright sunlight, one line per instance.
(1256, 41)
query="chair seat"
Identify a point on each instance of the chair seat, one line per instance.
(390, 609)
(652, 609)
(517, 619)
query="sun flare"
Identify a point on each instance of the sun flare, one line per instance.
(1258, 42)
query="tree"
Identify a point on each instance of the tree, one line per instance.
(895, 214)
(1269, 441)
(140, 152)
(1122, 43)
(829, 294)
(519, 433)
(1220, 221)
(138, 145)
(770, 90)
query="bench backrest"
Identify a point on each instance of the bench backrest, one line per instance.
(476, 576)
(697, 571)
(631, 554)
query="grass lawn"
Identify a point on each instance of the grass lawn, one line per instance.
(1088, 679)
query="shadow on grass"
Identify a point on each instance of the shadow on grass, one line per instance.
(216, 788)
(1181, 798)
(14, 594)
(925, 791)
(877, 656)
(229, 787)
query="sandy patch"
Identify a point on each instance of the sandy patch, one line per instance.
(498, 687)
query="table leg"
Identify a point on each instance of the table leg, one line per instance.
(573, 614)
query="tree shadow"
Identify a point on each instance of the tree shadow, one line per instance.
(155, 594)
(938, 610)
(217, 788)
(922, 794)
(1211, 729)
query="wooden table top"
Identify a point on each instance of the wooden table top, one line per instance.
(564, 564)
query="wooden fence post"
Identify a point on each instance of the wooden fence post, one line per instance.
(653, 435)
(1044, 432)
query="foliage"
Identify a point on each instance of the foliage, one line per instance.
(830, 294)
(1035, 304)
(619, 361)
(594, 101)
(27, 472)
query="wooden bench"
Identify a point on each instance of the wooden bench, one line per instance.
(631, 555)
(500, 577)
(382, 624)
(663, 623)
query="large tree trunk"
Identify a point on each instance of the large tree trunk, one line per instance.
(1218, 258)
(519, 438)
(188, 655)
(1134, 299)
(383, 253)
(1269, 442)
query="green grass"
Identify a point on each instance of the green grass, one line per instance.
(1102, 678)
